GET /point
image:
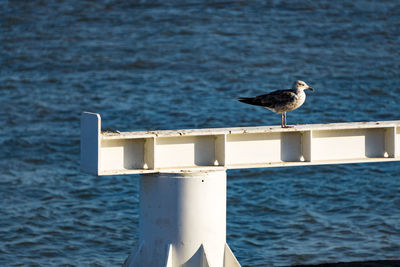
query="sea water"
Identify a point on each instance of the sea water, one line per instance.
(148, 65)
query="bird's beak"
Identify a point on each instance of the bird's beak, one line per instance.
(310, 88)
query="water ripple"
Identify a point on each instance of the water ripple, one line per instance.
(168, 65)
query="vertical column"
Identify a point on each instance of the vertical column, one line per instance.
(390, 142)
(90, 142)
(306, 146)
(149, 154)
(220, 150)
(182, 220)
(397, 142)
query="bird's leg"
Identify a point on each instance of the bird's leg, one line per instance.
(284, 117)
(282, 125)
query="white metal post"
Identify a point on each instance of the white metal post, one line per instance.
(182, 221)
(183, 179)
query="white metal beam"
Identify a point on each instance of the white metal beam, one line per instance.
(231, 148)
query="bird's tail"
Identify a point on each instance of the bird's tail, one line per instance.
(248, 100)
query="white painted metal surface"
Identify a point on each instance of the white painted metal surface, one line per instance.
(105, 153)
(90, 142)
(183, 181)
(182, 221)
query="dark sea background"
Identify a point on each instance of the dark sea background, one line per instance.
(182, 64)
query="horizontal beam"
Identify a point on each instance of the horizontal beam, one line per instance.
(110, 153)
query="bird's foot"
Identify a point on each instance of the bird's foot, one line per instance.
(287, 126)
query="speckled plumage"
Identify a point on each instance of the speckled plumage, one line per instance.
(281, 101)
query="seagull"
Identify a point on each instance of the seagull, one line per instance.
(281, 101)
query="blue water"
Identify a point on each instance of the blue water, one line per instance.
(182, 64)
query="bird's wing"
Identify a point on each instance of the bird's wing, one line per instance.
(276, 98)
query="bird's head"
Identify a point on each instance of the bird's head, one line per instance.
(300, 85)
